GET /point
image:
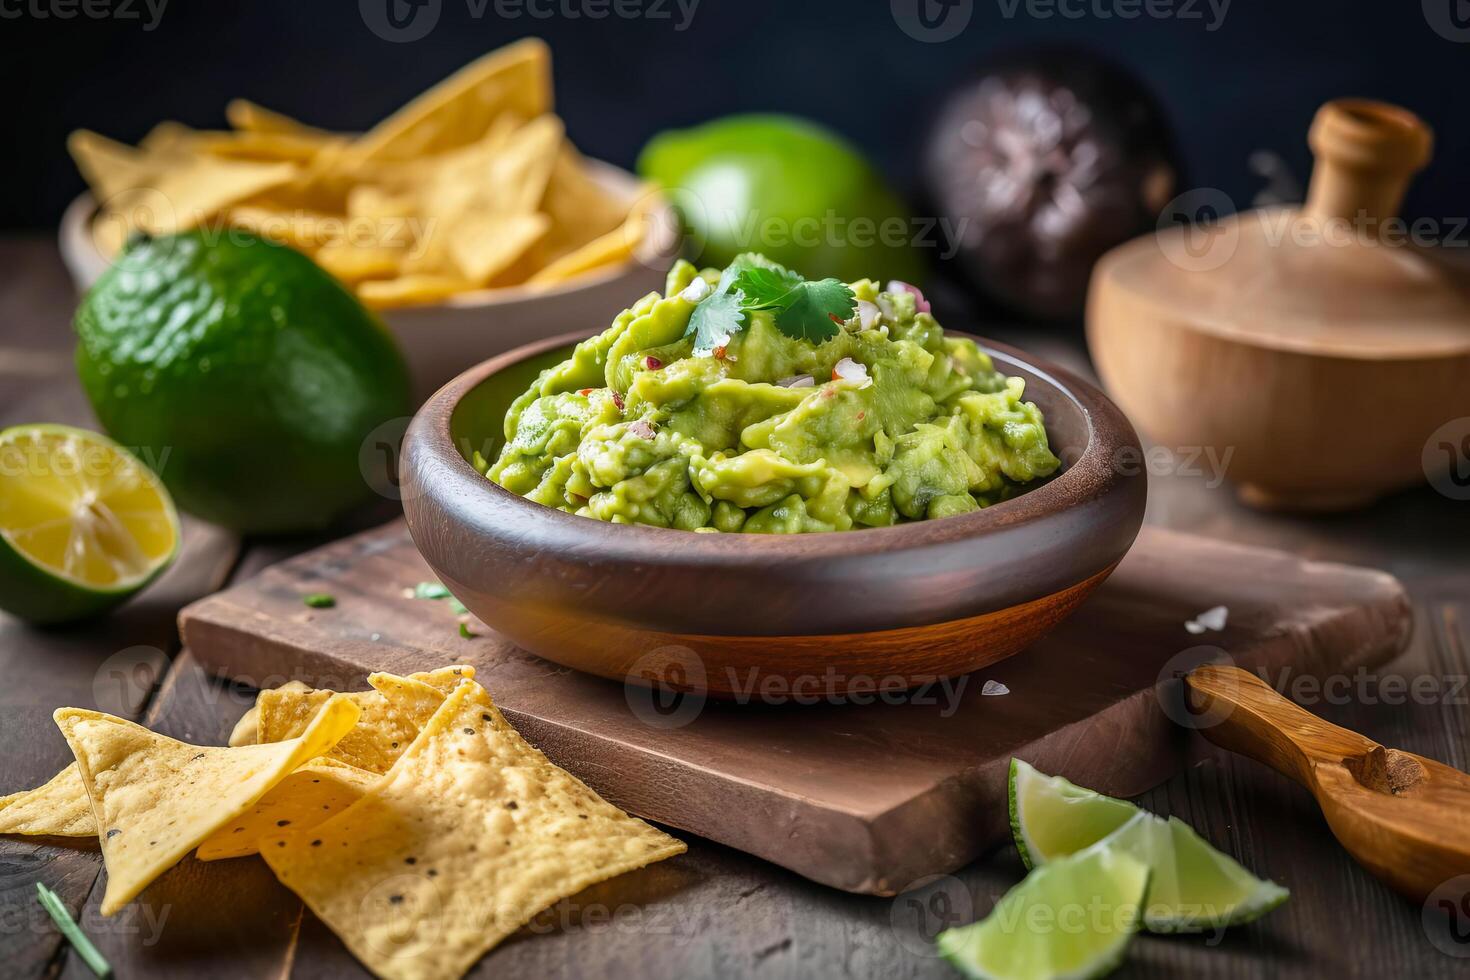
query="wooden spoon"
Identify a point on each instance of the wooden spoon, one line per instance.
(1403, 817)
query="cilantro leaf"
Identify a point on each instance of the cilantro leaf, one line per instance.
(811, 311)
(746, 261)
(714, 320)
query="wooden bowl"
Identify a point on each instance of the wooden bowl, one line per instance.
(842, 613)
(438, 339)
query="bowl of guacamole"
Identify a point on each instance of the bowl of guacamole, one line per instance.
(750, 400)
(753, 470)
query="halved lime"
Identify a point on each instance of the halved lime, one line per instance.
(1051, 817)
(1073, 918)
(83, 523)
(1194, 887)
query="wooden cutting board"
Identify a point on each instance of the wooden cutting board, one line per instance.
(864, 797)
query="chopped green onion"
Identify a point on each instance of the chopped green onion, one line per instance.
(73, 933)
(464, 631)
(430, 590)
(319, 600)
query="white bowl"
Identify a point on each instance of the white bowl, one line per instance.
(441, 340)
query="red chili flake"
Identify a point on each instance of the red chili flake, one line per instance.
(584, 392)
(618, 400)
(861, 416)
(652, 363)
(835, 375)
(836, 319)
(720, 351)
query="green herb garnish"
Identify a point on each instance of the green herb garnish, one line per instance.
(73, 933)
(466, 632)
(319, 600)
(430, 590)
(810, 311)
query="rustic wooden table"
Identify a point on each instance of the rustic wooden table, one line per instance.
(716, 912)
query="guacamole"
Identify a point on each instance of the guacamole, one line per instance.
(694, 411)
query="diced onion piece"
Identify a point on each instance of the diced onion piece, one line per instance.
(695, 291)
(797, 381)
(920, 303)
(849, 370)
(868, 314)
(641, 428)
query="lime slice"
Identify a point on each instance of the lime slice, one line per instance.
(83, 524)
(1072, 918)
(1193, 887)
(1051, 817)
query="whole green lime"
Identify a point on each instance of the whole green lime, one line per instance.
(787, 188)
(243, 373)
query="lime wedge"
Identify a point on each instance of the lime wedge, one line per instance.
(83, 523)
(1051, 817)
(1194, 887)
(1072, 918)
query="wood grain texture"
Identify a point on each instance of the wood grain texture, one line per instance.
(782, 773)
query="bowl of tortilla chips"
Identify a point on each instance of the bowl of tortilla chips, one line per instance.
(466, 219)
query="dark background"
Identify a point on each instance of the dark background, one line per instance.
(1252, 83)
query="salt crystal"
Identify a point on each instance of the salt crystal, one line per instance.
(994, 689)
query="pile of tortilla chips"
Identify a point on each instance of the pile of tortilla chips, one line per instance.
(472, 186)
(411, 818)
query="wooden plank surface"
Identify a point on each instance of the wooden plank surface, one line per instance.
(923, 790)
(734, 916)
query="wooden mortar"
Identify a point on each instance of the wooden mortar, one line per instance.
(1319, 347)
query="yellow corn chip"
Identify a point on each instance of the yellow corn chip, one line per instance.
(247, 729)
(307, 797)
(411, 290)
(356, 263)
(248, 117)
(391, 715)
(109, 167)
(155, 799)
(460, 109)
(613, 248)
(61, 808)
(470, 834)
(485, 245)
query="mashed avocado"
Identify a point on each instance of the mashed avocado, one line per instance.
(884, 421)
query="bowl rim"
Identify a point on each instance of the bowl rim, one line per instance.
(85, 262)
(1091, 475)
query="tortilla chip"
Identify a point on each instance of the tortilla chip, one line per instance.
(414, 289)
(155, 799)
(247, 729)
(391, 715)
(307, 797)
(356, 263)
(614, 248)
(460, 109)
(470, 834)
(249, 117)
(61, 808)
(485, 245)
(109, 167)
